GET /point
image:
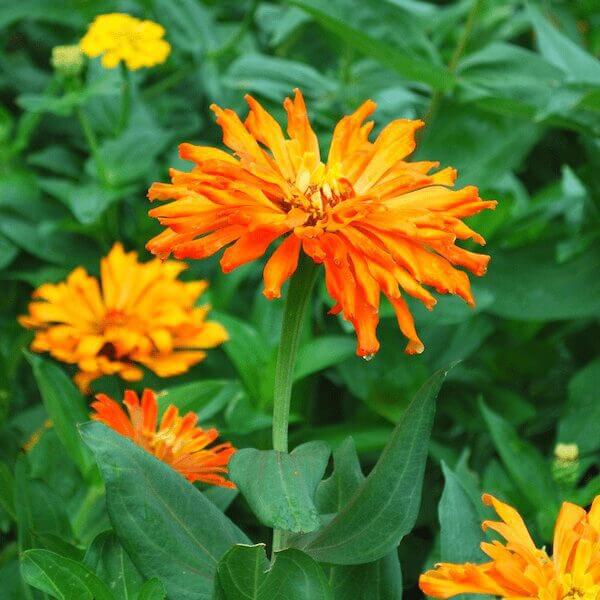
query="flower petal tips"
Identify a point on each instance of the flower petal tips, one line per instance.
(375, 221)
(175, 440)
(518, 569)
(136, 314)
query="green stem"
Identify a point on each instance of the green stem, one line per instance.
(461, 45)
(92, 143)
(298, 297)
(125, 101)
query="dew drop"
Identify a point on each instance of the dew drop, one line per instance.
(368, 357)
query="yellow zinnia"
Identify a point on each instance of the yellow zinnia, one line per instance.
(137, 314)
(121, 37)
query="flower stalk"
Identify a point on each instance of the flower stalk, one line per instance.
(298, 297)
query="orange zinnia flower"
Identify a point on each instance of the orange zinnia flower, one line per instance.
(518, 570)
(376, 222)
(136, 314)
(177, 441)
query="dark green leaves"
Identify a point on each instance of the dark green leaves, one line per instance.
(348, 21)
(280, 487)
(62, 577)
(385, 506)
(581, 423)
(168, 528)
(65, 406)
(244, 573)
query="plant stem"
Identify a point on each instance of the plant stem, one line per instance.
(298, 297)
(92, 143)
(461, 45)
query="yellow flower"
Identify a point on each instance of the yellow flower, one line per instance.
(137, 314)
(518, 570)
(121, 37)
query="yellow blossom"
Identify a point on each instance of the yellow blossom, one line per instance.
(121, 37)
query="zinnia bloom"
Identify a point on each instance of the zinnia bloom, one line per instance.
(176, 441)
(518, 570)
(136, 314)
(121, 37)
(376, 222)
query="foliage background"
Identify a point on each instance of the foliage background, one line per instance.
(511, 95)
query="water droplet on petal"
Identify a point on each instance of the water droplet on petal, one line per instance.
(368, 357)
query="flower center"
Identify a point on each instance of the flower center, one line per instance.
(114, 318)
(318, 188)
(583, 593)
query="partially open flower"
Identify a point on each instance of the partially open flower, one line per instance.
(175, 440)
(136, 314)
(377, 223)
(67, 60)
(519, 570)
(121, 37)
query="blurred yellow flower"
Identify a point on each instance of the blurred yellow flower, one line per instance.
(121, 37)
(137, 314)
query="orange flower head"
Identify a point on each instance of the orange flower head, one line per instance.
(518, 570)
(177, 441)
(137, 314)
(376, 222)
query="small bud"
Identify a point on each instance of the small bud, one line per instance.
(67, 60)
(566, 452)
(565, 468)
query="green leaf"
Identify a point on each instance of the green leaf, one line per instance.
(385, 507)
(206, 397)
(275, 78)
(62, 577)
(321, 353)
(581, 422)
(107, 558)
(247, 350)
(244, 573)
(38, 508)
(543, 290)
(153, 589)
(460, 533)
(378, 580)
(343, 18)
(280, 487)
(65, 406)
(168, 528)
(574, 61)
(526, 466)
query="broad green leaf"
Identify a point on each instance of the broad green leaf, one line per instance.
(247, 351)
(378, 580)
(529, 286)
(38, 508)
(168, 528)
(280, 487)
(190, 25)
(574, 61)
(8, 251)
(321, 353)
(384, 509)
(460, 533)
(523, 461)
(62, 577)
(107, 558)
(581, 421)
(275, 78)
(205, 397)
(153, 589)
(343, 18)
(66, 408)
(245, 573)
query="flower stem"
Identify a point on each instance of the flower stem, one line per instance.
(298, 297)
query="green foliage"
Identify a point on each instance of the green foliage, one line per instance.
(510, 92)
